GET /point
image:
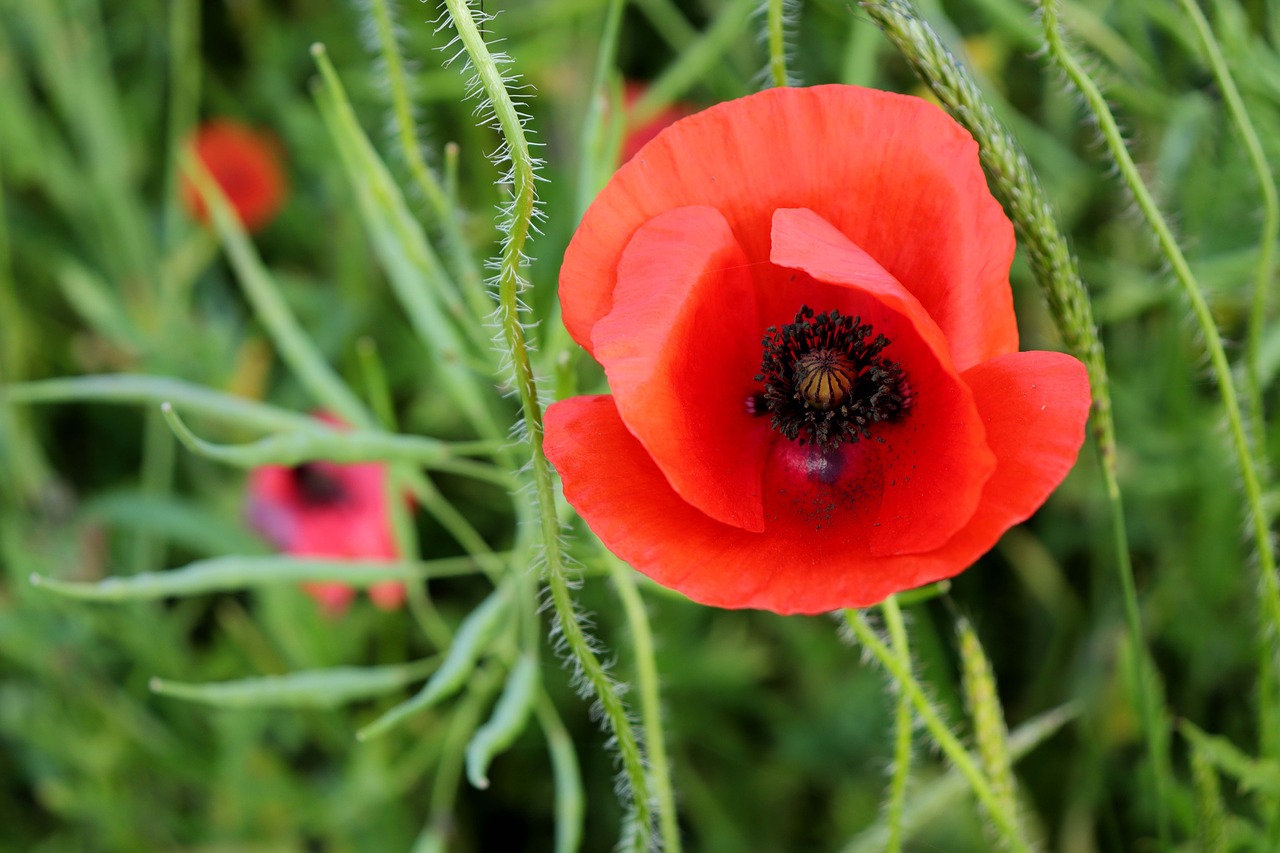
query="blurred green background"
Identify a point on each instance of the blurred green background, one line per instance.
(780, 736)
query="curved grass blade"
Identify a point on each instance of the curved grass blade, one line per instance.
(570, 802)
(332, 445)
(136, 388)
(224, 574)
(319, 688)
(509, 718)
(469, 644)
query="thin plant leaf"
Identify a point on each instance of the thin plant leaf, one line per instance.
(470, 643)
(136, 388)
(320, 688)
(570, 801)
(510, 715)
(294, 448)
(226, 574)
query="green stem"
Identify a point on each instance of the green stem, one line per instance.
(948, 742)
(157, 482)
(591, 147)
(510, 282)
(896, 804)
(650, 704)
(425, 179)
(444, 792)
(378, 392)
(777, 43)
(1270, 221)
(184, 98)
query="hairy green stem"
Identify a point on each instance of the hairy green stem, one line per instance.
(897, 801)
(989, 731)
(777, 43)
(509, 284)
(650, 704)
(1270, 222)
(942, 735)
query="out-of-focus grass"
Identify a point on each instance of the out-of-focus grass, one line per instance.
(779, 738)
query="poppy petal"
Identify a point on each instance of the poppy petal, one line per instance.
(906, 187)
(933, 464)
(623, 497)
(388, 595)
(333, 598)
(681, 347)
(1034, 406)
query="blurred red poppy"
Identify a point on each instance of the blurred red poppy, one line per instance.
(323, 509)
(638, 135)
(245, 165)
(801, 301)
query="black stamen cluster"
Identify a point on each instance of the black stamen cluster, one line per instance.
(317, 487)
(877, 388)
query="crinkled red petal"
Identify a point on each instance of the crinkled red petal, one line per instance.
(681, 347)
(1034, 407)
(892, 173)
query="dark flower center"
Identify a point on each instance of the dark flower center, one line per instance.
(317, 487)
(825, 381)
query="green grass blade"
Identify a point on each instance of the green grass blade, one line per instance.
(471, 642)
(315, 374)
(227, 574)
(136, 388)
(322, 688)
(294, 448)
(508, 720)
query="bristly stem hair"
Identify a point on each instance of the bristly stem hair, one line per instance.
(776, 15)
(517, 223)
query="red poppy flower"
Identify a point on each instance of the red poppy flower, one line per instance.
(322, 509)
(801, 301)
(639, 135)
(247, 168)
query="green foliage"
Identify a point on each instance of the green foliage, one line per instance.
(164, 684)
